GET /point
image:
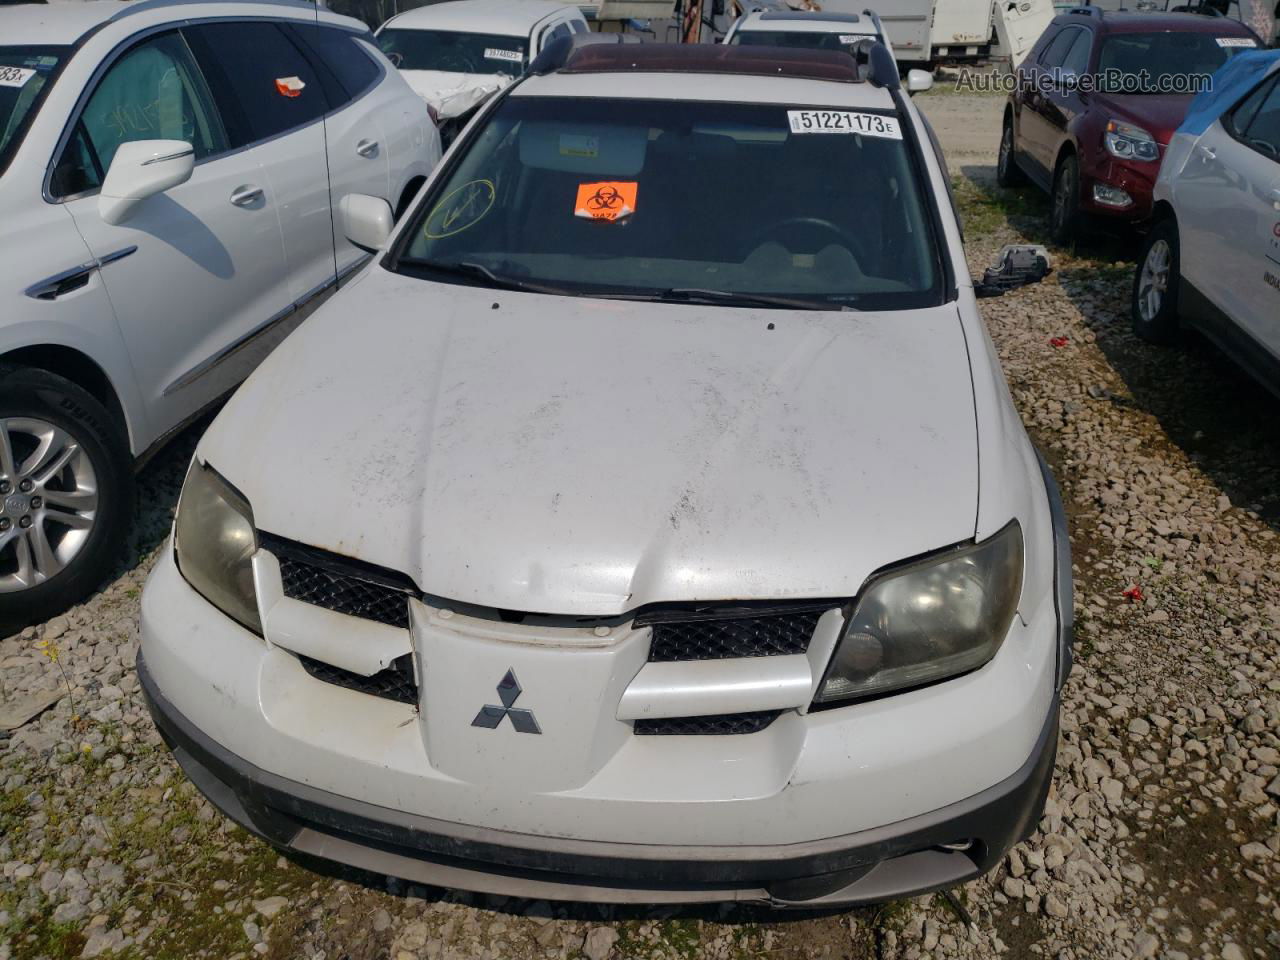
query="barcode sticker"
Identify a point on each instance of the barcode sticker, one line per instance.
(15, 76)
(841, 121)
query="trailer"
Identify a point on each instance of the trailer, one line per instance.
(955, 31)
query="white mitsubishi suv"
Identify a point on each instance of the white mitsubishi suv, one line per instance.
(169, 173)
(629, 531)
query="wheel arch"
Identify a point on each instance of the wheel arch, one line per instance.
(1162, 211)
(1067, 149)
(71, 364)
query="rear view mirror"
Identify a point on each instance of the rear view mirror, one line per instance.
(1018, 265)
(918, 81)
(366, 221)
(141, 169)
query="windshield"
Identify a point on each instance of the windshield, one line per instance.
(625, 197)
(1153, 63)
(454, 52)
(806, 39)
(25, 75)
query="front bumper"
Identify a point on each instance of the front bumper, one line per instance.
(901, 859)
(872, 801)
(1137, 179)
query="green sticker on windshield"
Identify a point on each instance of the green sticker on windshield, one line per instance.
(461, 208)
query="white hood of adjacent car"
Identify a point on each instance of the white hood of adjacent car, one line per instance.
(586, 457)
(454, 94)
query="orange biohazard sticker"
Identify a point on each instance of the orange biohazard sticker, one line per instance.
(606, 201)
(289, 86)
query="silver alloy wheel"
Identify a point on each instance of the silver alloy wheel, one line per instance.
(48, 501)
(1006, 150)
(1154, 280)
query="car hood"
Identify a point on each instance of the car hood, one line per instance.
(454, 94)
(586, 457)
(1159, 114)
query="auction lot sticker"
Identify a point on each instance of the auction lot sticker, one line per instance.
(1235, 42)
(495, 53)
(843, 121)
(15, 76)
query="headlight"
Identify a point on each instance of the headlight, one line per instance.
(1128, 142)
(214, 541)
(928, 621)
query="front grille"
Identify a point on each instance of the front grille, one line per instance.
(393, 683)
(341, 585)
(727, 724)
(716, 638)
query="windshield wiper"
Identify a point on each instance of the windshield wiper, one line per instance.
(700, 295)
(478, 271)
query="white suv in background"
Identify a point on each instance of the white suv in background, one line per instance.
(455, 54)
(169, 173)
(807, 29)
(1212, 257)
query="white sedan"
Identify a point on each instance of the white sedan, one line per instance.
(457, 53)
(1212, 257)
(627, 532)
(169, 176)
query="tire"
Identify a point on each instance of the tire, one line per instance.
(48, 560)
(1065, 216)
(1008, 173)
(1153, 306)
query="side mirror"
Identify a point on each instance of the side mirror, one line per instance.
(141, 169)
(366, 221)
(918, 81)
(1018, 265)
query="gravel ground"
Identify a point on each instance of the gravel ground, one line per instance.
(1162, 833)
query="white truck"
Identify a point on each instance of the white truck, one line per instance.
(956, 31)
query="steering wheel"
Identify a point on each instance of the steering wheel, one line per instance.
(793, 225)
(455, 63)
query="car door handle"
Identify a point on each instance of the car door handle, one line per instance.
(367, 148)
(1206, 153)
(1275, 198)
(246, 196)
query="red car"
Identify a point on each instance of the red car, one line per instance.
(1098, 99)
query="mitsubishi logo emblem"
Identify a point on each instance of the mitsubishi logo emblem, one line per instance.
(490, 715)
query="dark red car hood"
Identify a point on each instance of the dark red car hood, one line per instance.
(1158, 114)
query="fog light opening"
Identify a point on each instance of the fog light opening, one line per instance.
(1111, 196)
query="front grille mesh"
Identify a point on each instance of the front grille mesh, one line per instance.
(343, 592)
(763, 635)
(393, 683)
(728, 724)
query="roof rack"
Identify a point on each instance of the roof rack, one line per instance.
(875, 20)
(570, 57)
(869, 60)
(793, 16)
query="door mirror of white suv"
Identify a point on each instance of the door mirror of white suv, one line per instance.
(918, 81)
(141, 169)
(1017, 265)
(366, 221)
